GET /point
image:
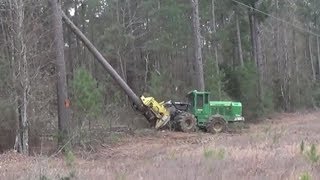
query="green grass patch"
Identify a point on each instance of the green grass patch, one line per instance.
(218, 154)
(310, 153)
(305, 176)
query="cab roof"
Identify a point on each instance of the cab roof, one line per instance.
(197, 92)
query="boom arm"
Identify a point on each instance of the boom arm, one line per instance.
(154, 112)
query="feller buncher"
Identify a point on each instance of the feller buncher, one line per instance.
(198, 112)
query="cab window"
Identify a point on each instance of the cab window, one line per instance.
(206, 99)
(191, 99)
(200, 101)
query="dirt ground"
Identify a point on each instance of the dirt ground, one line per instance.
(267, 150)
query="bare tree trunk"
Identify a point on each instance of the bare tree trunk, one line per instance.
(62, 92)
(94, 63)
(77, 43)
(70, 54)
(296, 62)
(259, 61)
(118, 12)
(197, 44)
(295, 58)
(83, 29)
(277, 40)
(25, 82)
(122, 61)
(13, 62)
(20, 71)
(311, 58)
(253, 35)
(146, 58)
(318, 54)
(215, 45)
(239, 41)
(256, 50)
(132, 75)
(287, 72)
(123, 69)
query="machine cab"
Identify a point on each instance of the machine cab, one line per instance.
(199, 102)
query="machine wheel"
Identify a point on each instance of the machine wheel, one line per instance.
(186, 122)
(216, 124)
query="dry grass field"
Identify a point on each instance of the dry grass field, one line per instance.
(277, 148)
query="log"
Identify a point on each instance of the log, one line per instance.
(124, 86)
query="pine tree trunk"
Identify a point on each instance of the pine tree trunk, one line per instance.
(239, 41)
(215, 45)
(197, 44)
(295, 58)
(287, 72)
(253, 36)
(256, 51)
(83, 29)
(62, 92)
(94, 63)
(122, 62)
(277, 41)
(259, 61)
(132, 78)
(71, 54)
(311, 58)
(77, 43)
(318, 55)
(146, 58)
(296, 62)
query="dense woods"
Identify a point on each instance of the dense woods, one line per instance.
(263, 53)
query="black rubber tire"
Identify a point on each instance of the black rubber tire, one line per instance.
(186, 122)
(216, 124)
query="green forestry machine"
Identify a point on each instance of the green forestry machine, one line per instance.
(198, 112)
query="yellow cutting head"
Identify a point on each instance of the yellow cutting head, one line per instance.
(162, 114)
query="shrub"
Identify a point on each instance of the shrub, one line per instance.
(88, 101)
(87, 96)
(242, 86)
